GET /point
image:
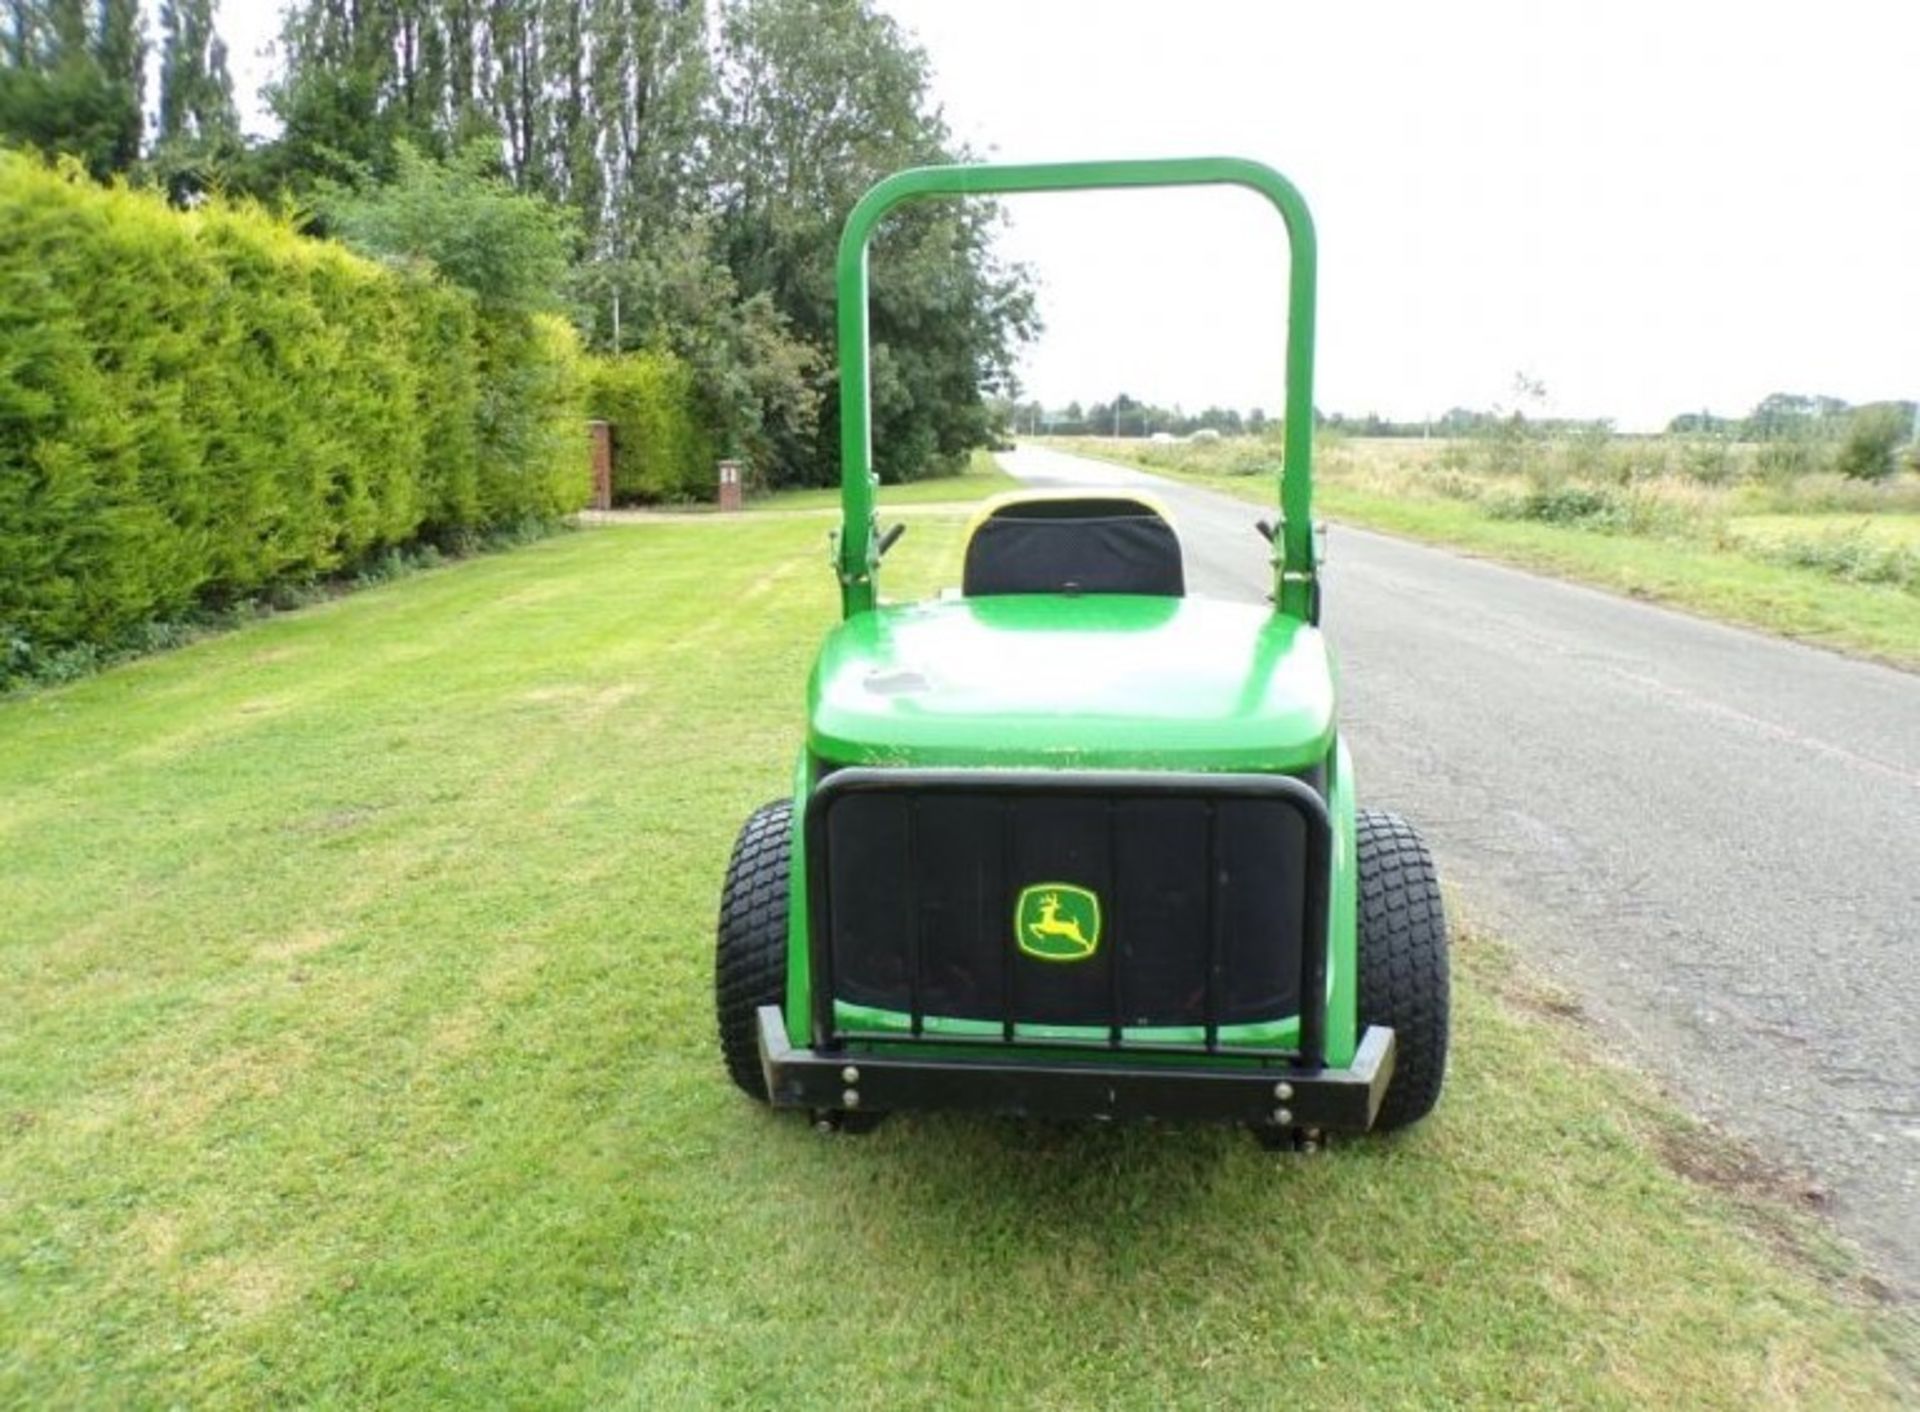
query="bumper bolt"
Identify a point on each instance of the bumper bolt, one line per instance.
(1283, 1117)
(850, 1099)
(1283, 1091)
(849, 1075)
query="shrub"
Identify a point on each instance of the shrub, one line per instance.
(1589, 507)
(1873, 436)
(1851, 556)
(1785, 458)
(1708, 460)
(509, 249)
(662, 449)
(531, 450)
(1450, 484)
(196, 408)
(1588, 454)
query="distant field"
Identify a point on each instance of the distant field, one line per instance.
(358, 1051)
(1817, 557)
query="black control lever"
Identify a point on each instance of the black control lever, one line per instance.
(889, 537)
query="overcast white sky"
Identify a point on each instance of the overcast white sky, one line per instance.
(1652, 207)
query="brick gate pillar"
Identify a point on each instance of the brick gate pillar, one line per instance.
(600, 436)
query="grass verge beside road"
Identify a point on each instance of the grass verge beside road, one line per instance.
(1791, 574)
(358, 1049)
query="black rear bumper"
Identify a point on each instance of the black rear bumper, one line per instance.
(1003, 1081)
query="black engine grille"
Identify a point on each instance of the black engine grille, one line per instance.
(1212, 894)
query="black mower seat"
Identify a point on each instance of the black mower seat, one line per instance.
(1073, 544)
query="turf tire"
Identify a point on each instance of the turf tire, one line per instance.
(1403, 961)
(750, 946)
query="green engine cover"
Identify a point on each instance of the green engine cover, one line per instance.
(1055, 681)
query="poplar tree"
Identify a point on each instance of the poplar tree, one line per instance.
(72, 79)
(196, 92)
(708, 155)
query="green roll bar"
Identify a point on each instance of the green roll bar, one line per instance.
(858, 557)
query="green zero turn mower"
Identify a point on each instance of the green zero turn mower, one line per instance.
(1071, 842)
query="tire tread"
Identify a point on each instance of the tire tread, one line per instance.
(1404, 980)
(750, 945)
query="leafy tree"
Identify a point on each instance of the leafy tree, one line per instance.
(633, 116)
(1225, 420)
(596, 105)
(509, 249)
(196, 92)
(817, 99)
(1702, 423)
(1793, 414)
(707, 155)
(72, 79)
(338, 99)
(757, 381)
(1874, 434)
(708, 158)
(198, 148)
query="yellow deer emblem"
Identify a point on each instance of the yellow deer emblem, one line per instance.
(1058, 922)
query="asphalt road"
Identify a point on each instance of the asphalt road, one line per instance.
(1712, 836)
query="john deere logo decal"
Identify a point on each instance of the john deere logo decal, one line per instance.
(1057, 922)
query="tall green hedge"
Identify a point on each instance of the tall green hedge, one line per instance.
(195, 407)
(662, 447)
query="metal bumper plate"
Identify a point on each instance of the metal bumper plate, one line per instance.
(1021, 1085)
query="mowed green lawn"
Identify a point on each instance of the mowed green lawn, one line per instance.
(357, 1050)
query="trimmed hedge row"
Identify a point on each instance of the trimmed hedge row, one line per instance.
(196, 407)
(662, 450)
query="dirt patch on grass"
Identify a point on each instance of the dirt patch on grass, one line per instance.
(454, 1035)
(179, 1104)
(301, 943)
(1783, 1207)
(506, 977)
(1712, 1158)
(1496, 966)
(584, 705)
(244, 1289)
(772, 578)
(597, 697)
(155, 1234)
(1775, 1201)
(332, 821)
(1549, 999)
